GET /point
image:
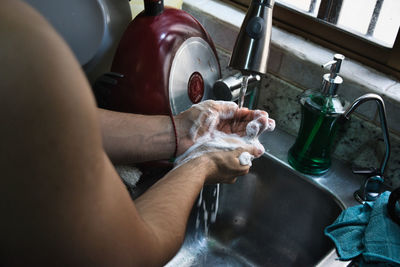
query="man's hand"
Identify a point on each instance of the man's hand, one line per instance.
(225, 166)
(204, 118)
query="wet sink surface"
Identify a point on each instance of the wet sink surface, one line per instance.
(271, 217)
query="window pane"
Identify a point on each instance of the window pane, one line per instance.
(307, 6)
(375, 20)
(388, 22)
(356, 15)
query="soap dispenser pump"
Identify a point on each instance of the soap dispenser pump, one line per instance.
(320, 110)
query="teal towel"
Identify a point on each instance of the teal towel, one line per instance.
(367, 233)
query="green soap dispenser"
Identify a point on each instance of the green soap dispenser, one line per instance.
(311, 152)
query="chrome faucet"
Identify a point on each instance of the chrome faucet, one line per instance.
(229, 88)
(370, 189)
(250, 53)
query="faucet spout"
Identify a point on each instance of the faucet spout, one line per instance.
(250, 54)
(382, 116)
(369, 191)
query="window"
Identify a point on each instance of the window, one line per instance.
(365, 30)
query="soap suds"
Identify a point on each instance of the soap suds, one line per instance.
(214, 140)
(245, 158)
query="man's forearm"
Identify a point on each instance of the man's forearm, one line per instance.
(129, 138)
(166, 206)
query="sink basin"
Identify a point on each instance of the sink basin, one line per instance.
(273, 216)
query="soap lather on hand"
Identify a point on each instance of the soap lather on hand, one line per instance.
(222, 126)
(246, 158)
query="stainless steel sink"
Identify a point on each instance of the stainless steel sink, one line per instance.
(273, 216)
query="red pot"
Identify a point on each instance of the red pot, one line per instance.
(167, 60)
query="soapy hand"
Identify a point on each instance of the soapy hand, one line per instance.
(226, 135)
(206, 119)
(225, 166)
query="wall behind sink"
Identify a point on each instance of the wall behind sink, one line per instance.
(293, 69)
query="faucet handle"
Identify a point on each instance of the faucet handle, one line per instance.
(365, 170)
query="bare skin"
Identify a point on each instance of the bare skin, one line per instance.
(62, 202)
(137, 138)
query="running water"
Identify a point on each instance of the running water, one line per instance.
(243, 90)
(207, 209)
(214, 207)
(242, 93)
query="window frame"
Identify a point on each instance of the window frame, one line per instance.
(377, 56)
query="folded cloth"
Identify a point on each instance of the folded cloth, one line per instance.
(367, 233)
